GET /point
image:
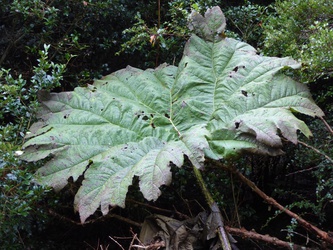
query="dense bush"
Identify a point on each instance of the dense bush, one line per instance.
(22, 210)
(303, 30)
(82, 34)
(245, 22)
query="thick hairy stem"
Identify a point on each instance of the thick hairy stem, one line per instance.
(223, 235)
(305, 224)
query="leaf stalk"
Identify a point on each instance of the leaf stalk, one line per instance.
(223, 235)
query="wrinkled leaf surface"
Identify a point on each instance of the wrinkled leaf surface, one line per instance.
(222, 99)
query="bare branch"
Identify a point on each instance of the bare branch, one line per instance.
(316, 150)
(116, 242)
(302, 170)
(118, 217)
(327, 125)
(242, 232)
(181, 215)
(305, 224)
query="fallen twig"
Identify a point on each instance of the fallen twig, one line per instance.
(152, 246)
(305, 224)
(116, 242)
(242, 232)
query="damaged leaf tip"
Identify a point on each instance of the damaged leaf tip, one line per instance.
(210, 27)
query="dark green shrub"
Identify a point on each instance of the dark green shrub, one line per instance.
(160, 37)
(303, 30)
(245, 22)
(82, 34)
(22, 202)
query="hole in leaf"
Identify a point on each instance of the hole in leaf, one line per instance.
(145, 118)
(102, 110)
(152, 124)
(66, 116)
(244, 93)
(167, 116)
(237, 125)
(235, 69)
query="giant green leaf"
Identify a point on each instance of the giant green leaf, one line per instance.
(223, 99)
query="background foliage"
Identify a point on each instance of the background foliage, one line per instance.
(83, 38)
(304, 30)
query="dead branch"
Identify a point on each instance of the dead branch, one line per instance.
(302, 171)
(305, 224)
(242, 232)
(116, 216)
(180, 215)
(327, 125)
(152, 246)
(116, 242)
(316, 150)
(158, 244)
